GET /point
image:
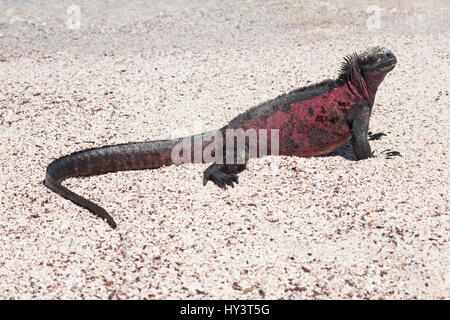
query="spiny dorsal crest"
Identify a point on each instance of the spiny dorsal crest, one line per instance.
(348, 62)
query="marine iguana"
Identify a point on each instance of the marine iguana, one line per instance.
(310, 121)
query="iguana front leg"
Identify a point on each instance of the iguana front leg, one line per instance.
(361, 137)
(360, 127)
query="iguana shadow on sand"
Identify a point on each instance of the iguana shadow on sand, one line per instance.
(309, 121)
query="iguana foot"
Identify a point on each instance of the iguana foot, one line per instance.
(388, 154)
(375, 136)
(219, 178)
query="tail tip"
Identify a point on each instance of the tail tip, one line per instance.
(111, 223)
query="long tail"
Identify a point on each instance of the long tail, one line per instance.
(121, 157)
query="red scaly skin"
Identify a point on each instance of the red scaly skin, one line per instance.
(311, 127)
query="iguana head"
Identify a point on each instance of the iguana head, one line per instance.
(366, 70)
(377, 60)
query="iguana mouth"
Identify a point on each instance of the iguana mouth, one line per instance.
(386, 65)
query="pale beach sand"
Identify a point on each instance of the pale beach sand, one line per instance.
(294, 228)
